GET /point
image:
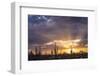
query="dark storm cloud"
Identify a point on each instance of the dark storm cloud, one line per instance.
(42, 29)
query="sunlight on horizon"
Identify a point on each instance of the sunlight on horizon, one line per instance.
(64, 47)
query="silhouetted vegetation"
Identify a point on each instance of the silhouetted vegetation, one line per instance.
(55, 55)
(60, 56)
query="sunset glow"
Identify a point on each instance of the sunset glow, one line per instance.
(64, 47)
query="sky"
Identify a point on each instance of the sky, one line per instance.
(44, 29)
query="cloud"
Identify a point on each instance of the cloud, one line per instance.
(43, 29)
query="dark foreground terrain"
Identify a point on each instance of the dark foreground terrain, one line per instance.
(53, 57)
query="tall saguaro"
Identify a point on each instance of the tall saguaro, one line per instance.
(55, 48)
